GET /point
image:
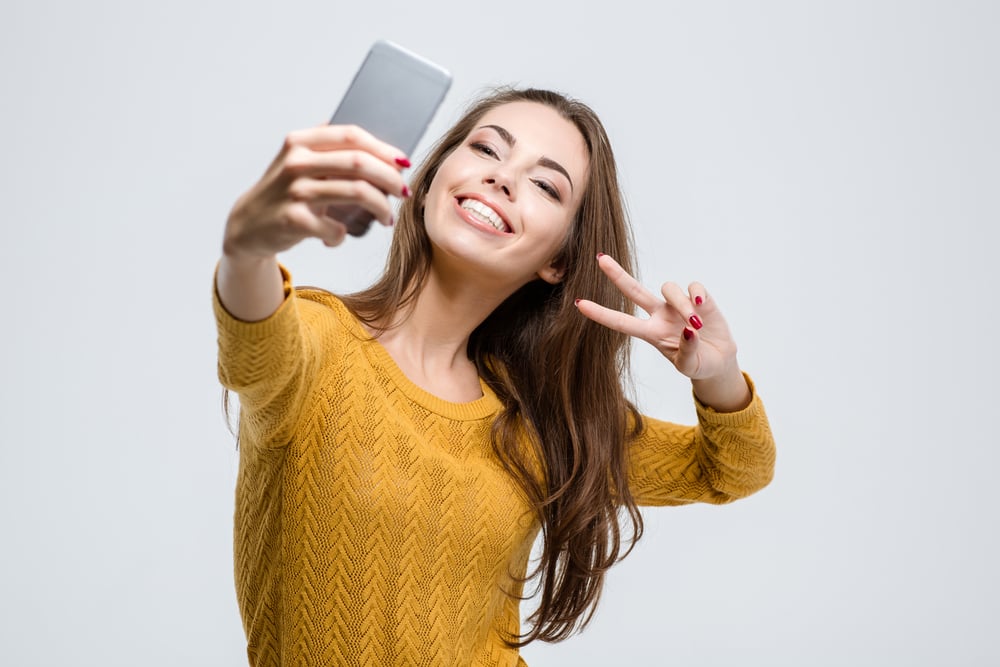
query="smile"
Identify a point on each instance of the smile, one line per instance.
(484, 214)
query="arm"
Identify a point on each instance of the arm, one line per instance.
(728, 455)
(267, 346)
(268, 364)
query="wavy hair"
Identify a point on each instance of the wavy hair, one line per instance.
(558, 375)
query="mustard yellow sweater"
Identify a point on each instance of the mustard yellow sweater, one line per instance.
(373, 525)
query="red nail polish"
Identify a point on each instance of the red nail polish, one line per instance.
(599, 255)
(577, 302)
(695, 321)
(406, 191)
(688, 334)
(698, 301)
(403, 162)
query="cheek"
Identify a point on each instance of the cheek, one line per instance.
(436, 189)
(446, 176)
(554, 231)
(438, 200)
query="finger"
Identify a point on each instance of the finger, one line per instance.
(703, 301)
(338, 137)
(709, 307)
(613, 319)
(315, 224)
(697, 293)
(348, 164)
(323, 192)
(338, 232)
(304, 222)
(680, 302)
(687, 352)
(629, 286)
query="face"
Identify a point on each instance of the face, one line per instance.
(503, 201)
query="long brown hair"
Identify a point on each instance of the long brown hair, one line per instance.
(558, 375)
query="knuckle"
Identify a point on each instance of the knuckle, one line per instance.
(296, 161)
(351, 134)
(292, 139)
(357, 160)
(298, 191)
(360, 190)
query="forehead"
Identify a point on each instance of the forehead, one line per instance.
(542, 131)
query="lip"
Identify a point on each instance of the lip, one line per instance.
(476, 223)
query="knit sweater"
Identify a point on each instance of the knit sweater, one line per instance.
(373, 523)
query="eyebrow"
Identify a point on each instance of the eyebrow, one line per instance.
(543, 161)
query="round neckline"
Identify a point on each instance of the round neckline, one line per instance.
(485, 406)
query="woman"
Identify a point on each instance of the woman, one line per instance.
(401, 447)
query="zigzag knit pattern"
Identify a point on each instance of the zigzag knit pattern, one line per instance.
(373, 525)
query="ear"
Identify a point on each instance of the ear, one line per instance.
(553, 273)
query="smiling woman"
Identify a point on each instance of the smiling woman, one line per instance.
(505, 179)
(402, 447)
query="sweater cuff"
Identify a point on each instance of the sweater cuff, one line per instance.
(275, 323)
(710, 416)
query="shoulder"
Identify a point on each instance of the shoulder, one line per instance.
(322, 306)
(326, 321)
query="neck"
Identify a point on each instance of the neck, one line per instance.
(429, 339)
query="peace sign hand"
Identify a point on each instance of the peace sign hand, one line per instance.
(687, 328)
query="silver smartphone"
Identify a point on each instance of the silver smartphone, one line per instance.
(394, 96)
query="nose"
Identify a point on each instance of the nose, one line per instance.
(502, 183)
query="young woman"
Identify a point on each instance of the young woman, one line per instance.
(401, 447)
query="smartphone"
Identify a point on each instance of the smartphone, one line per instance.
(394, 96)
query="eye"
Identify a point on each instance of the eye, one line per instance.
(549, 190)
(485, 149)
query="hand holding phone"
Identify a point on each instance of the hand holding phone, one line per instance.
(394, 96)
(347, 175)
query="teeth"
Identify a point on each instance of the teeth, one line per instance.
(484, 213)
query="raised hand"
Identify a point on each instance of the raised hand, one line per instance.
(330, 165)
(686, 327)
(316, 170)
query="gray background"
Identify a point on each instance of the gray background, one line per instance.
(829, 171)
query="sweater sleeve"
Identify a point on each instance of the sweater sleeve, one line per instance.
(269, 365)
(726, 456)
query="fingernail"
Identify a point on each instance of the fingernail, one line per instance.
(695, 321)
(406, 191)
(577, 302)
(698, 300)
(403, 162)
(392, 221)
(599, 255)
(688, 334)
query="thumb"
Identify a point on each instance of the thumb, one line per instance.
(687, 352)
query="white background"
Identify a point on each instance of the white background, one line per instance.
(831, 171)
